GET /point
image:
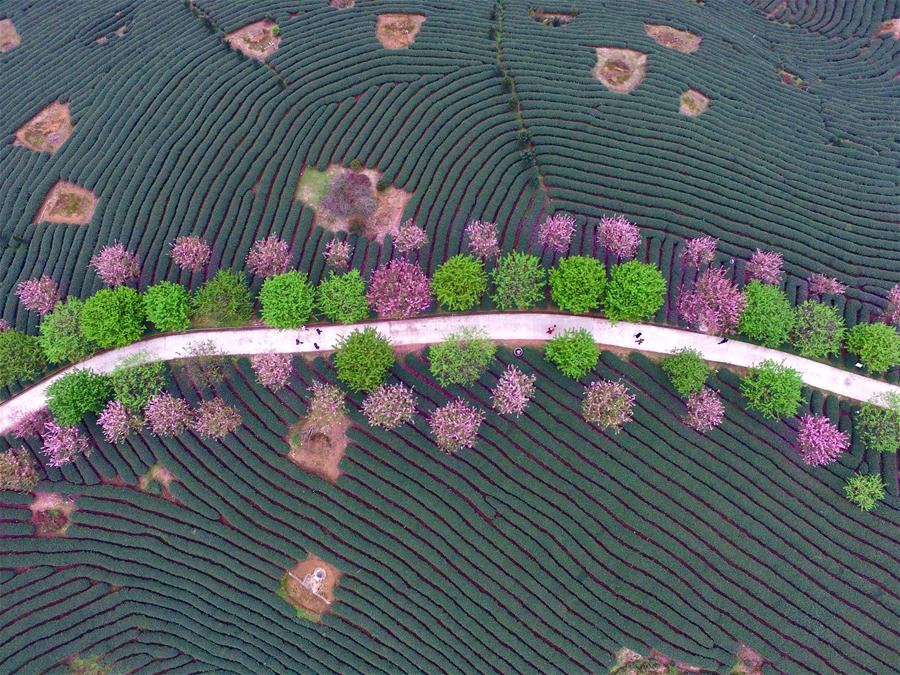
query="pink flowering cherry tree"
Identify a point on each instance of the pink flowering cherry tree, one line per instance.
(269, 256)
(821, 284)
(389, 406)
(484, 239)
(699, 252)
(18, 472)
(38, 295)
(713, 304)
(399, 290)
(31, 425)
(116, 422)
(338, 253)
(215, 419)
(705, 410)
(513, 391)
(820, 441)
(455, 426)
(190, 253)
(619, 236)
(115, 265)
(893, 314)
(765, 266)
(273, 371)
(607, 404)
(556, 232)
(63, 444)
(410, 237)
(4, 325)
(167, 415)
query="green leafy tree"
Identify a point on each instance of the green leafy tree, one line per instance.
(168, 307)
(818, 330)
(687, 369)
(60, 333)
(635, 291)
(21, 357)
(879, 422)
(113, 317)
(573, 351)
(342, 297)
(865, 490)
(77, 393)
(519, 281)
(135, 381)
(773, 389)
(459, 283)
(224, 300)
(363, 358)
(577, 284)
(768, 316)
(461, 357)
(876, 344)
(287, 300)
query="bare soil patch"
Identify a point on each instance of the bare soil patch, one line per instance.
(50, 514)
(554, 19)
(342, 4)
(255, 40)
(156, 481)
(749, 662)
(398, 31)
(620, 70)
(890, 27)
(673, 38)
(629, 662)
(791, 78)
(319, 450)
(309, 587)
(67, 203)
(46, 131)
(693, 103)
(9, 36)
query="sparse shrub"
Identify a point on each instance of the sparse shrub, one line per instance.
(355, 165)
(865, 490)
(768, 316)
(63, 444)
(713, 305)
(820, 441)
(215, 419)
(773, 389)
(338, 253)
(115, 265)
(705, 410)
(60, 333)
(113, 317)
(399, 290)
(461, 357)
(287, 300)
(135, 381)
(893, 313)
(18, 471)
(21, 357)
(410, 237)
(204, 363)
(519, 281)
(269, 256)
(77, 393)
(276, 31)
(190, 253)
(459, 283)
(577, 284)
(687, 370)
(483, 238)
(699, 252)
(818, 330)
(362, 359)
(38, 295)
(167, 415)
(573, 351)
(556, 232)
(635, 291)
(879, 422)
(389, 406)
(765, 267)
(224, 300)
(381, 185)
(342, 297)
(167, 306)
(117, 423)
(513, 391)
(619, 236)
(455, 426)
(820, 284)
(326, 405)
(273, 371)
(31, 425)
(350, 195)
(876, 344)
(607, 404)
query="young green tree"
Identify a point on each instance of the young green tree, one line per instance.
(342, 297)
(519, 281)
(573, 351)
(135, 381)
(60, 333)
(459, 283)
(287, 300)
(876, 344)
(635, 291)
(865, 490)
(363, 358)
(577, 284)
(168, 307)
(77, 393)
(768, 316)
(879, 422)
(773, 389)
(687, 370)
(21, 357)
(113, 317)
(224, 300)
(461, 357)
(818, 330)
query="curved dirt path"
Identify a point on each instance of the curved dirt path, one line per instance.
(506, 326)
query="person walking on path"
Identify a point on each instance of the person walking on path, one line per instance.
(551, 329)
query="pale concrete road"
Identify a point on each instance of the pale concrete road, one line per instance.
(510, 326)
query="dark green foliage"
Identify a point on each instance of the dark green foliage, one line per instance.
(459, 283)
(77, 393)
(287, 300)
(876, 344)
(687, 370)
(879, 423)
(135, 382)
(21, 357)
(224, 300)
(574, 352)
(773, 389)
(519, 281)
(577, 284)
(342, 297)
(768, 316)
(818, 330)
(113, 317)
(362, 359)
(60, 333)
(168, 307)
(461, 357)
(635, 291)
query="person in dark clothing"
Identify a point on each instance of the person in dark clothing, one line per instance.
(723, 341)
(319, 331)
(316, 345)
(637, 336)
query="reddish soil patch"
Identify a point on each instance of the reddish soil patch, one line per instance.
(67, 203)
(342, 4)
(50, 514)
(398, 31)
(255, 40)
(620, 70)
(319, 450)
(791, 78)
(156, 481)
(749, 662)
(9, 36)
(554, 19)
(890, 27)
(693, 103)
(679, 40)
(308, 589)
(46, 131)
(629, 662)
